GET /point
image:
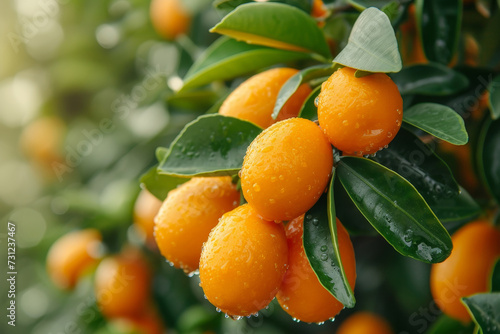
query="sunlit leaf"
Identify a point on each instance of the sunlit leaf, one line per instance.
(372, 45)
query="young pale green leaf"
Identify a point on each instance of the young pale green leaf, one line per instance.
(429, 79)
(372, 45)
(489, 157)
(292, 84)
(227, 58)
(309, 109)
(445, 324)
(438, 120)
(158, 184)
(395, 209)
(438, 24)
(200, 99)
(322, 249)
(494, 97)
(264, 23)
(361, 5)
(408, 156)
(495, 277)
(210, 145)
(161, 153)
(483, 307)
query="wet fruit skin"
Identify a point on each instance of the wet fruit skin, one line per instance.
(286, 169)
(359, 115)
(301, 294)
(476, 247)
(187, 216)
(145, 210)
(255, 98)
(169, 18)
(122, 284)
(243, 262)
(364, 323)
(72, 255)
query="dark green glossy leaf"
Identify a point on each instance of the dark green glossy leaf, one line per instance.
(483, 308)
(372, 45)
(227, 58)
(495, 277)
(309, 109)
(264, 24)
(489, 157)
(429, 79)
(295, 81)
(408, 156)
(361, 5)
(438, 120)
(158, 184)
(348, 213)
(210, 145)
(494, 98)
(395, 209)
(445, 324)
(322, 249)
(438, 24)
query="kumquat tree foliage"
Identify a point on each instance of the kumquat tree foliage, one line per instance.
(238, 166)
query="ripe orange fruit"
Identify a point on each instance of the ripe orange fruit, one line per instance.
(169, 18)
(301, 294)
(72, 255)
(255, 98)
(42, 142)
(364, 323)
(145, 209)
(359, 115)
(147, 322)
(476, 247)
(286, 168)
(243, 262)
(122, 284)
(188, 214)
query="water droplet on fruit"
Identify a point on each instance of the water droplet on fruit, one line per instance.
(273, 178)
(316, 101)
(295, 319)
(356, 125)
(399, 111)
(345, 122)
(281, 177)
(389, 134)
(272, 200)
(256, 187)
(320, 323)
(398, 123)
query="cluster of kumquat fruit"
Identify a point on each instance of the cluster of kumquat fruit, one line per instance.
(248, 254)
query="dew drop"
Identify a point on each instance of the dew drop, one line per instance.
(389, 134)
(273, 178)
(272, 200)
(316, 101)
(295, 319)
(218, 309)
(281, 177)
(320, 323)
(324, 257)
(315, 221)
(256, 187)
(345, 122)
(309, 217)
(323, 248)
(398, 123)
(399, 111)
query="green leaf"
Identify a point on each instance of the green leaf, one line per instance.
(483, 307)
(210, 145)
(438, 120)
(159, 185)
(322, 249)
(372, 45)
(309, 109)
(489, 157)
(429, 79)
(408, 156)
(161, 153)
(494, 98)
(438, 24)
(395, 209)
(495, 277)
(265, 24)
(292, 84)
(193, 100)
(227, 58)
(445, 324)
(228, 5)
(348, 213)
